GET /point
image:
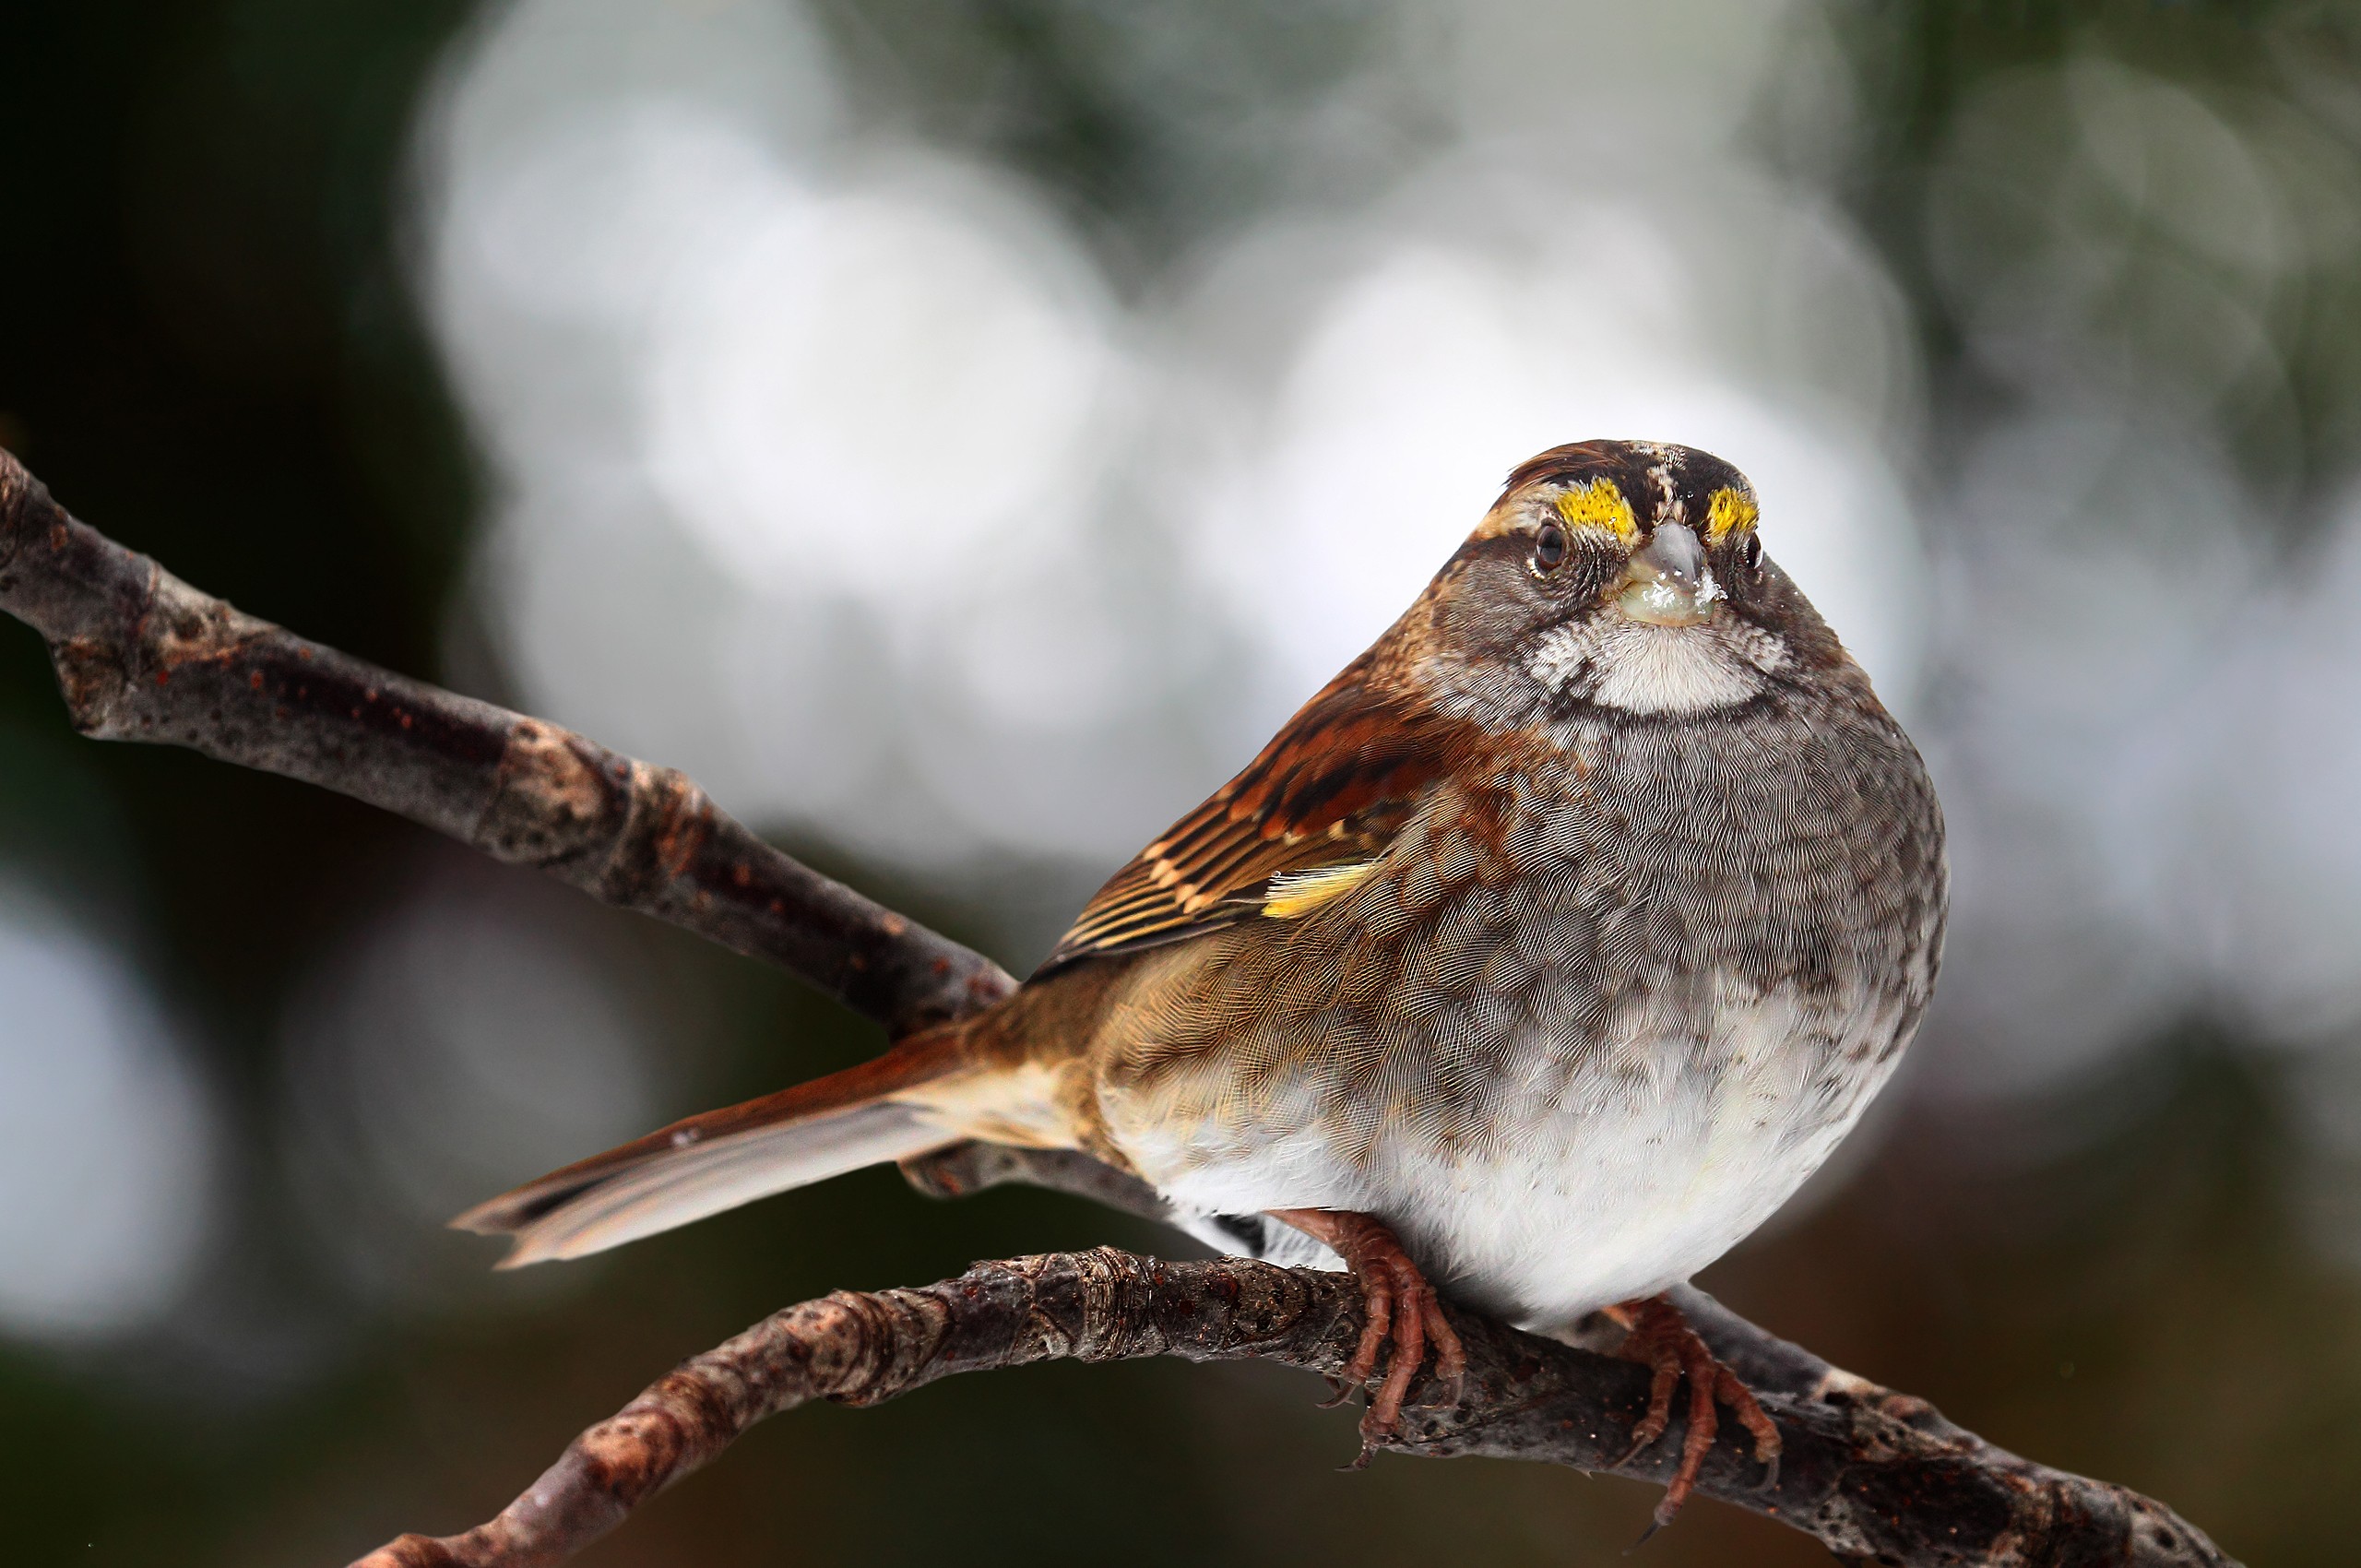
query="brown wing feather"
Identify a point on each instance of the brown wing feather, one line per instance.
(1332, 786)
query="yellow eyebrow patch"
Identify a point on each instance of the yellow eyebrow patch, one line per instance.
(1599, 505)
(1728, 513)
(1297, 893)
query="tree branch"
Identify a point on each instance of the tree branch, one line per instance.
(142, 656)
(1872, 1474)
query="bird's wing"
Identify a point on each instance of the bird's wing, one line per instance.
(1319, 805)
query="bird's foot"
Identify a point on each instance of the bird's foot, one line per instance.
(1659, 1339)
(1400, 1307)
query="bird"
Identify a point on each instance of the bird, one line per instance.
(1538, 958)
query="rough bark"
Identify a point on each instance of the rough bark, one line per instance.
(142, 656)
(1873, 1474)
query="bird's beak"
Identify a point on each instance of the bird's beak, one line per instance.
(1668, 583)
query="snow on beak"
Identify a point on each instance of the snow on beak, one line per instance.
(1668, 583)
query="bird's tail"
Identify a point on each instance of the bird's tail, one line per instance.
(927, 1091)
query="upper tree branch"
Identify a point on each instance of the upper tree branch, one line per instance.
(142, 656)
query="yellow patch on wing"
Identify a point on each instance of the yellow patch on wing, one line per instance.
(1297, 893)
(1600, 505)
(1728, 512)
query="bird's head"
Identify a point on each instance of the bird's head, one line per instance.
(1625, 576)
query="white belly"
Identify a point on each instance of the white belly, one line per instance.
(1619, 1182)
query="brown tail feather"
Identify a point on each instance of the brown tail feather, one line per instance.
(864, 1115)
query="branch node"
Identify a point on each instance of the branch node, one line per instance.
(553, 799)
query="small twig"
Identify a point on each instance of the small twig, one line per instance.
(142, 656)
(1872, 1474)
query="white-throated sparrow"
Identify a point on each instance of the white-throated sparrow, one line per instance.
(1543, 954)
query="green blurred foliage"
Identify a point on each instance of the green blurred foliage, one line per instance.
(209, 351)
(2269, 64)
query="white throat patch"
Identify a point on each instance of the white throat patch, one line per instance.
(1646, 669)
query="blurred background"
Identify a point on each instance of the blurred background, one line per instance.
(957, 432)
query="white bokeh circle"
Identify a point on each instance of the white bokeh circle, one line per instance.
(106, 1137)
(879, 388)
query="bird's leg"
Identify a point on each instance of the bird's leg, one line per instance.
(1659, 1339)
(1401, 1306)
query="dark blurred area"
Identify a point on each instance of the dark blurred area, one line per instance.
(316, 304)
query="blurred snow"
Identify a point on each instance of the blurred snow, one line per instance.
(106, 1138)
(877, 393)
(2275, 840)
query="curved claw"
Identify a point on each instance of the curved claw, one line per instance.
(1402, 1310)
(1661, 1340)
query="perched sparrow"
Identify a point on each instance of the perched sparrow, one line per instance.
(1543, 954)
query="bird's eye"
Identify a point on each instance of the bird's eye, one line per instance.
(1548, 547)
(1749, 550)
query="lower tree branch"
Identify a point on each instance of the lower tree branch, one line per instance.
(1874, 1475)
(142, 656)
